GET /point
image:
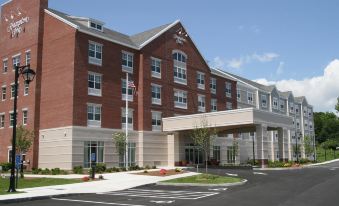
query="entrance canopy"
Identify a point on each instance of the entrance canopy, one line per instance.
(238, 119)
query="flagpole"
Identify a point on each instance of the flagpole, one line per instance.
(126, 126)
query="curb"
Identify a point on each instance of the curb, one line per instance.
(203, 185)
(26, 199)
(278, 169)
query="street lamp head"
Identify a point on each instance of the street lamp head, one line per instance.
(28, 74)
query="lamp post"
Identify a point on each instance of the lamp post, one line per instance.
(28, 75)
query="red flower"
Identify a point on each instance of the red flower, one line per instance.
(163, 172)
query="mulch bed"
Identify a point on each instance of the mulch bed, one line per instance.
(158, 174)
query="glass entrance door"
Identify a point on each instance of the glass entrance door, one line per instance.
(193, 154)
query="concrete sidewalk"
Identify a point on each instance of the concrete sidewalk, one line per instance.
(112, 182)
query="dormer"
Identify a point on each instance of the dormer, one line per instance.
(95, 24)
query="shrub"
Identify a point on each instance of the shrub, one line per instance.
(145, 171)
(134, 167)
(36, 171)
(85, 179)
(56, 171)
(109, 170)
(6, 166)
(101, 177)
(46, 171)
(250, 162)
(100, 167)
(78, 170)
(178, 170)
(275, 164)
(123, 169)
(147, 167)
(304, 161)
(154, 167)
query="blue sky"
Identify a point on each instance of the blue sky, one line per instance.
(258, 39)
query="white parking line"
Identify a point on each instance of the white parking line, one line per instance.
(230, 174)
(218, 189)
(94, 202)
(259, 173)
(164, 194)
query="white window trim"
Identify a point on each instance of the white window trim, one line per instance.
(178, 79)
(94, 60)
(17, 92)
(213, 91)
(180, 105)
(96, 23)
(153, 73)
(94, 123)
(248, 101)
(213, 100)
(199, 85)
(24, 110)
(156, 101)
(263, 105)
(130, 98)
(202, 108)
(238, 97)
(3, 62)
(93, 91)
(4, 115)
(126, 68)
(2, 99)
(156, 127)
(30, 58)
(227, 104)
(281, 103)
(228, 91)
(275, 99)
(130, 114)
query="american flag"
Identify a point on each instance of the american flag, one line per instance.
(131, 84)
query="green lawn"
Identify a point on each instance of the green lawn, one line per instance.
(36, 182)
(205, 179)
(329, 155)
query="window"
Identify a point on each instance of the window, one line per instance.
(127, 62)
(201, 103)
(282, 105)
(291, 107)
(250, 97)
(156, 68)
(93, 115)
(4, 65)
(26, 88)
(156, 94)
(179, 63)
(309, 112)
(94, 84)
(306, 125)
(263, 101)
(16, 61)
(297, 109)
(3, 93)
(123, 91)
(214, 105)
(93, 149)
(311, 126)
(216, 153)
(230, 154)
(228, 89)
(96, 26)
(2, 120)
(293, 121)
(305, 112)
(239, 95)
(213, 85)
(24, 117)
(11, 119)
(298, 123)
(28, 57)
(180, 99)
(129, 119)
(13, 90)
(229, 106)
(131, 155)
(275, 103)
(156, 121)
(180, 75)
(200, 80)
(95, 53)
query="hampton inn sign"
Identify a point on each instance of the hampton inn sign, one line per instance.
(16, 26)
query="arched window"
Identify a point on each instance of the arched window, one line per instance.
(179, 66)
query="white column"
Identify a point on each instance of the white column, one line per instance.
(172, 149)
(261, 134)
(289, 145)
(281, 144)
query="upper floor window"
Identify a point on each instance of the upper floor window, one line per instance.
(28, 57)
(201, 80)
(282, 105)
(238, 94)
(156, 68)
(156, 121)
(178, 56)
(96, 26)
(93, 115)
(16, 61)
(275, 103)
(309, 112)
(229, 106)
(127, 62)
(180, 99)
(228, 89)
(123, 90)
(4, 65)
(2, 120)
(129, 118)
(305, 112)
(95, 53)
(3, 93)
(213, 85)
(298, 123)
(156, 94)
(11, 119)
(263, 101)
(297, 109)
(201, 103)
(24, 117)
(13, 90)
(26, 88)
(250, 97)
(180, 75)
(214, 105)
(94, 84)
(291, 107)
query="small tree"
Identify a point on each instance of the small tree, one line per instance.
(202, 136)
(119, 139)
(24, 141)
(337, 105)
(296, 150)
(308, 145)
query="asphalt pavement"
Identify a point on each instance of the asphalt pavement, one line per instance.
(302, 187)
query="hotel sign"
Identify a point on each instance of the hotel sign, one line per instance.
(17, 27)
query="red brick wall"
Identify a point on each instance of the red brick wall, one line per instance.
(28, 39)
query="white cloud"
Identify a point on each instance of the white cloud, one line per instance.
(320, 91)
(280, 68)
(237, 63)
